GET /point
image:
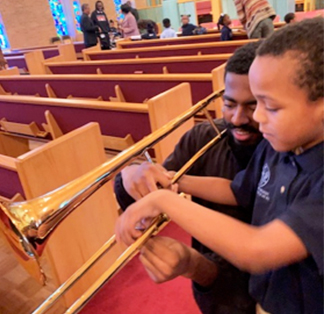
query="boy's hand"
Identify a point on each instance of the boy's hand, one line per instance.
(144, 209)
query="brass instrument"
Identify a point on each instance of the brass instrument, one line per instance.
(27, 225)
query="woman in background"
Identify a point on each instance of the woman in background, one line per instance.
(128, 25)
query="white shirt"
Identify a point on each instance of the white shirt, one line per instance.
(168, 33)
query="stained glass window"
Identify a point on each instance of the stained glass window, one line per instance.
(118, 3)
(77, 14)
(59, 17)
(4, 43)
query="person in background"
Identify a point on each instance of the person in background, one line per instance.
(168, 31)
(256, 16)
(100, 19)
(290, 18)
(226, 32)
(150, 33)
(133, 10)
(143, 25)
(128, 25)
(187, 28)
(88, 28)
(115, 31)
(3, 61)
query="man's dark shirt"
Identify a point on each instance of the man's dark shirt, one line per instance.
(100, 19)
(89, 30)
(229, 293)
(135, 13)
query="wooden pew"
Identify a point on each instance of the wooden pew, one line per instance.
(134, 88)
(117, 120)
(191, 64)
(35, 59)
(49, 51)
(10, 71)
(165, 51)
(85, 230)
(18, 58)
(197, 39)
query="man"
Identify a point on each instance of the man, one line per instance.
(187, 28)
(88, 28)
(100, 19)
(218, 286)
(133, 10)
(256, 16)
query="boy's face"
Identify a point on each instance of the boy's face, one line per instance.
(286, 118)
(239, 105)
(185, 20)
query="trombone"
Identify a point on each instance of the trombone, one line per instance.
(27, 225)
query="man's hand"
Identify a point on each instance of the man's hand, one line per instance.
(165, 259)
(140, 180)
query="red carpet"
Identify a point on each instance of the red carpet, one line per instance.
(132, 291)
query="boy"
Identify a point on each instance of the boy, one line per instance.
(283, 249)
(290, 18)
(168, 31)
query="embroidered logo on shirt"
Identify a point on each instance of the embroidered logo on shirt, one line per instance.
(265, 177)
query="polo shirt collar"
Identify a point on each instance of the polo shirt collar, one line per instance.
(308, 160)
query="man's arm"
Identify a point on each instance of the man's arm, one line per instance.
(88, 25)
(240, 11)
(136, 181)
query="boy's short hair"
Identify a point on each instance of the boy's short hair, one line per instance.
(304, 40)
(289, 17)
(242, 59)
(166, 23)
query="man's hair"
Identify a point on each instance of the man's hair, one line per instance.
(304, 42)
(84, 6)
(96, 5)
(125, 8)
(289, 17)
(166, 23)
(240, 62)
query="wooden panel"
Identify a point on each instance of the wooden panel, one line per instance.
(184, 64)
(13, 146)
(219, 84)
(89, 226)
(165, 107)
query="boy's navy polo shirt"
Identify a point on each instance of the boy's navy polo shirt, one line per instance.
(226, 34)
(290, 188)
(187, 29)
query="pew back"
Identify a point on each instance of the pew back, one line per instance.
(126, 44)
(191, 64)
(165, 51)
(135, 88)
